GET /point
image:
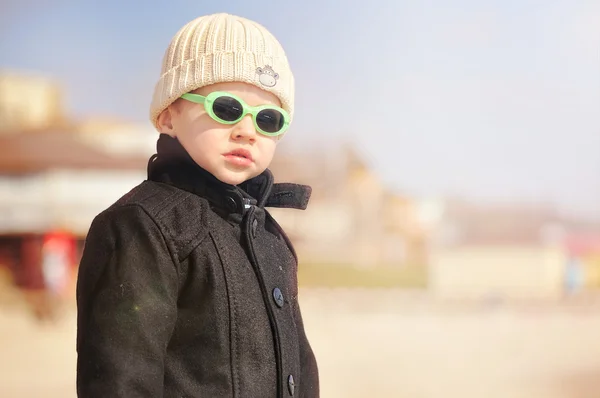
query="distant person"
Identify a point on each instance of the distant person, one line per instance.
(187, 286)
(573, 276)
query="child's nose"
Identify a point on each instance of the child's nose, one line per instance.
(244, 129)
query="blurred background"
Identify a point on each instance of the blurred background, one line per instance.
(451, 247)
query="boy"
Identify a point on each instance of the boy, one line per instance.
(187, 286)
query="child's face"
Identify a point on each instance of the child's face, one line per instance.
(211, 143)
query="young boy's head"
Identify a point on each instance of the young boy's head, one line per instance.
(226, 92)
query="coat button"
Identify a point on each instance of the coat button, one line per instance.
(291, 384)
(231, 204)
(254, 227)
(278, 296)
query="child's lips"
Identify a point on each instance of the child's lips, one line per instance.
(240, 157)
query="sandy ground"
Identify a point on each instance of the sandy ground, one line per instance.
(378, 344)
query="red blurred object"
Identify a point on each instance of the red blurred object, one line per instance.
(58, 260)
(581, 245)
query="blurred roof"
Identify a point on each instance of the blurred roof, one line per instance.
(36, 151)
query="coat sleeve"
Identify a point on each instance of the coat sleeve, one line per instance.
(126, 300)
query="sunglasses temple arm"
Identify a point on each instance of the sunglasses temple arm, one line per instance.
(199, 99)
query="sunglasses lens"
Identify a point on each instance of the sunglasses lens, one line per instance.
(227, 108)
(270, 120)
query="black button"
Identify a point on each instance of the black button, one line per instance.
(291, 384)
(254, 227)
(278, 296)
(231, 204)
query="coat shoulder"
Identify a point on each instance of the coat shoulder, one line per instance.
(181, 215)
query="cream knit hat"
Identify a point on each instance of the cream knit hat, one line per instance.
(222, 48)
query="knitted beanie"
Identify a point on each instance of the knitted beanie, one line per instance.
(222, 48)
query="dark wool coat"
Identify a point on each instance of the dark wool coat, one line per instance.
(188, 288)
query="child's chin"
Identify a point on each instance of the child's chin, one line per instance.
(233, 178)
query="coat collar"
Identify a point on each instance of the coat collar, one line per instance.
(173, 165)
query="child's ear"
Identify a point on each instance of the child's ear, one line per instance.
(165, 122)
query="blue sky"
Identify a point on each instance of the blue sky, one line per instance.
(496, 100)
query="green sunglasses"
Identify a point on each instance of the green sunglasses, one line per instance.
(227, 108)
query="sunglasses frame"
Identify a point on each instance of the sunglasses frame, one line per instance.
(208, 101)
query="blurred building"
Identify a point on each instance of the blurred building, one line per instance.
(56, 174)
(352, 218)
(29, 102)
(511, 251)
